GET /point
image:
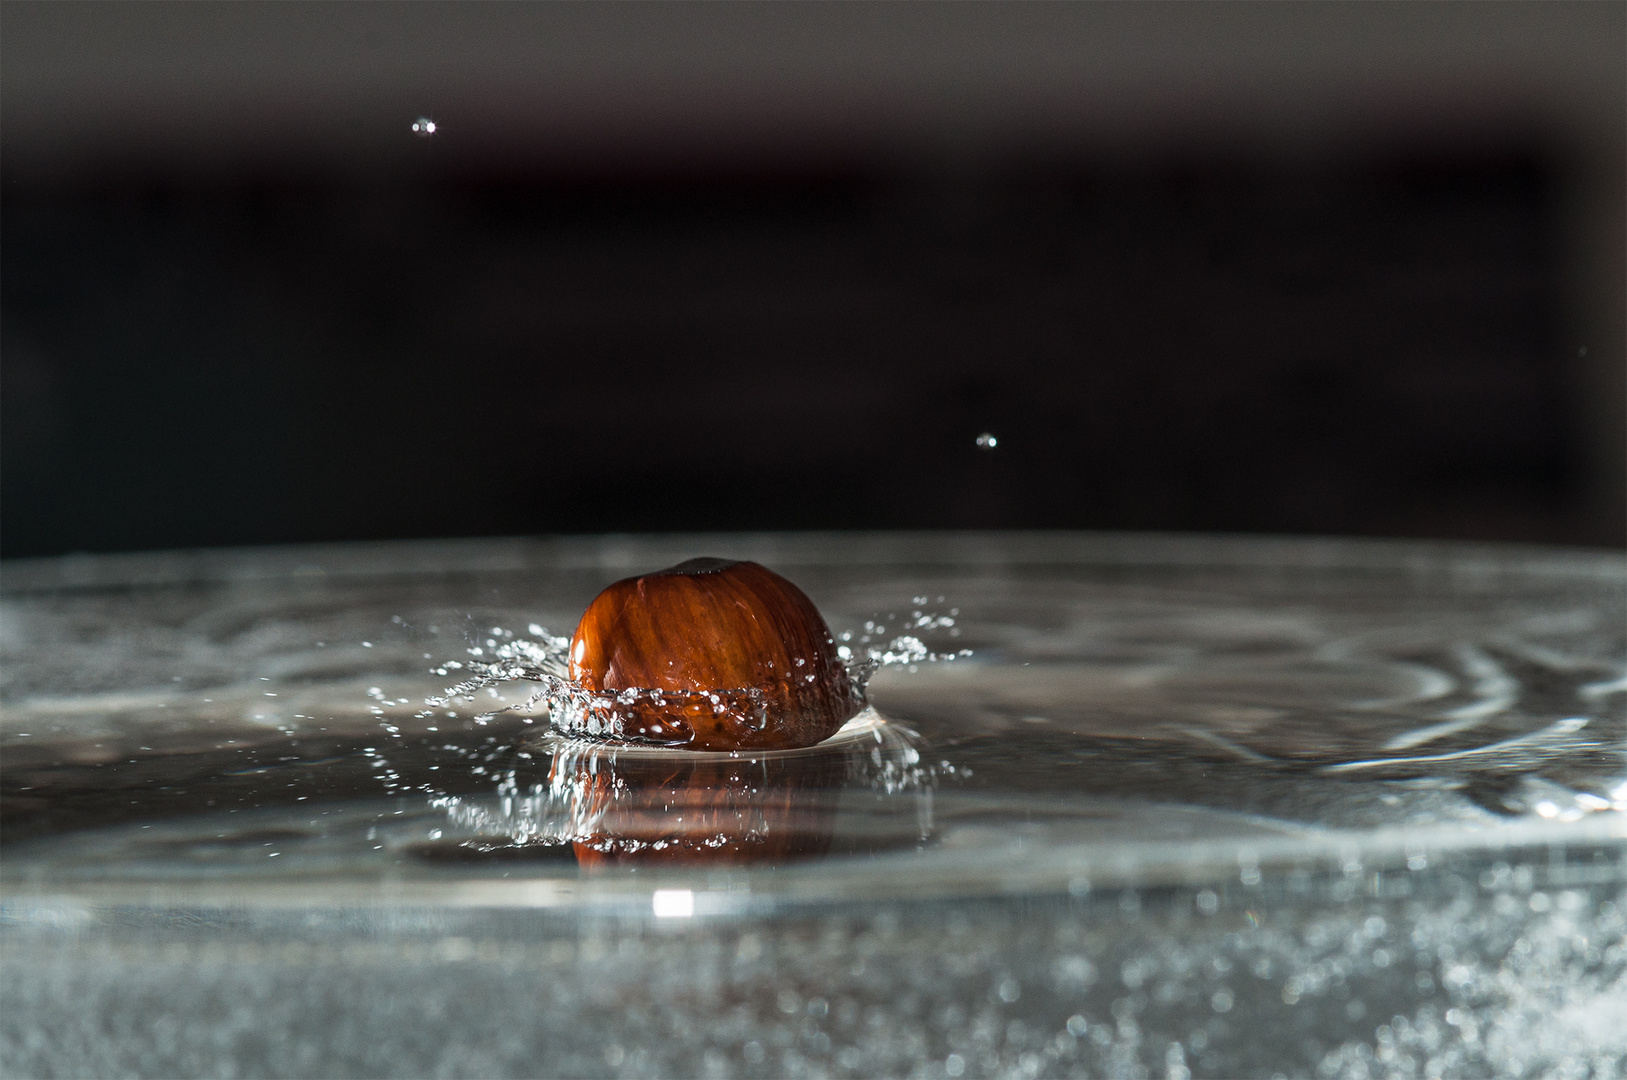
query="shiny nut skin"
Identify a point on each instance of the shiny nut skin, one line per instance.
(744, 653)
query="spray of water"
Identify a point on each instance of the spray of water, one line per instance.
(542, 659)
(587, 735)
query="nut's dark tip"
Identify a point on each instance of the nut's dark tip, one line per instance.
(703, 565)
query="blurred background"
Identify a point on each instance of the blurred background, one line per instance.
(1306, 268)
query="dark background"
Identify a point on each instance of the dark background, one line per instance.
(1284, 268)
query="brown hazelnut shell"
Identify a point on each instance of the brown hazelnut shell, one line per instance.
(743, 657)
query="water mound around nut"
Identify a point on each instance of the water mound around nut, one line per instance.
(703, 713)
(632, 804)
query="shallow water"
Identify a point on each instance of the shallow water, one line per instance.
(1204, 805)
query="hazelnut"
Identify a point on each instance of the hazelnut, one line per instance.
(712, 654)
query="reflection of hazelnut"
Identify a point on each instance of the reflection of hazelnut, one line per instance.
(735, 657)
(675, 808)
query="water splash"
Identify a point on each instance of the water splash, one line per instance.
(543, 659)
(599, 791)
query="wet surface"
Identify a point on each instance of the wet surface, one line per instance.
(1243, 738)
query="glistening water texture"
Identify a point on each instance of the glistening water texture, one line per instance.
(1191, 807)
(620, 780)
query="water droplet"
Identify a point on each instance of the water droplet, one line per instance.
(987, 441)
(423, 127)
